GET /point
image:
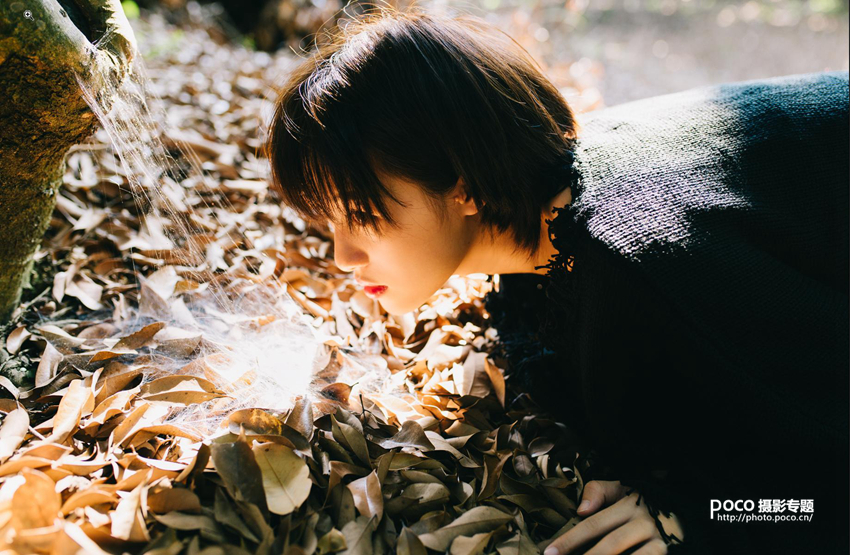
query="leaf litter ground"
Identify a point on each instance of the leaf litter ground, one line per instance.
(143, 414)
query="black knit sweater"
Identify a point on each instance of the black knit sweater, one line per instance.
(703, 327)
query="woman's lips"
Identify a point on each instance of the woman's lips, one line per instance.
(374, 290)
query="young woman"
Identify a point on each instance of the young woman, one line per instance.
(674, 270)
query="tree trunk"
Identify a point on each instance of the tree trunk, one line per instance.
(44, 46)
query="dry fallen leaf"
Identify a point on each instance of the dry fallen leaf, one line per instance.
(476, 520)
(286, 478)
(367, 496)
(13, 431)
(16, 339)
(71, 408)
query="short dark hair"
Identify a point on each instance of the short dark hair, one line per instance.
(428, 98)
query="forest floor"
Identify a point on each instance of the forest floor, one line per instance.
(146, 378)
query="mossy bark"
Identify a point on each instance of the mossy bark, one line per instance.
(45, 47)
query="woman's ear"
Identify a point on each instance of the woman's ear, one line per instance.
(460, 196)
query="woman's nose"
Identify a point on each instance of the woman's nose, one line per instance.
(347, 255)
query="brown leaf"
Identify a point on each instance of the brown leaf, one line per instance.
(358, 536)
(129, 426)
(237, 466)
(35, 504)
(114, 378)
(87, 291)
(474, 380)
(410, 435)
(177, 342)
(409, 544)
(166, 500)
(331, 542)
(183, 397)
(169, 429)
(367, 496)
(152, 304)
(14, 391)
(127, 520)
(140, 338)
(519, 544)
(473, 545)
(60, 339)
(13, 431)
(182, 521)
(352, 439)
(476, 520)
(16, 339)
(107, 354)
(178, 383)
(82, 543)
(47, 366)
(286, 478)
(70, 410)
(87, 498)
(260, 422)
(301, 417)
(225, 514)
(492, 471)
(337, 392)
(497, 379)
(426, 492)
(540, 446)
(111, 406)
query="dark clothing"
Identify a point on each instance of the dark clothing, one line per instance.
(703, 329)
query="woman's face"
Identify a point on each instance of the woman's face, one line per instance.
(414, 260)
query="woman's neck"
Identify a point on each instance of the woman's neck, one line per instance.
(495, 254)
(547, 249)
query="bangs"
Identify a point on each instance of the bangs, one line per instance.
(324, 172)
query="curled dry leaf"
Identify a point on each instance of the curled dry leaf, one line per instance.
(13, 431)
(300, 417)
(470, 545)
(337, 392)
(351, 438)
(474, 521)
(48, 365)
(368, 497)
(410, 435)
(60, 339)
(140, 338)
(257, 422)
(127, 520)
(78, 400)
(16, 339)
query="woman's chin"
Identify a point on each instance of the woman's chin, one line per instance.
(396, 308)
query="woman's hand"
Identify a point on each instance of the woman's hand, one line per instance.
(622, 524)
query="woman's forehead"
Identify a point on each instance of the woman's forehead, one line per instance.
(403, 190)
(403, 194)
